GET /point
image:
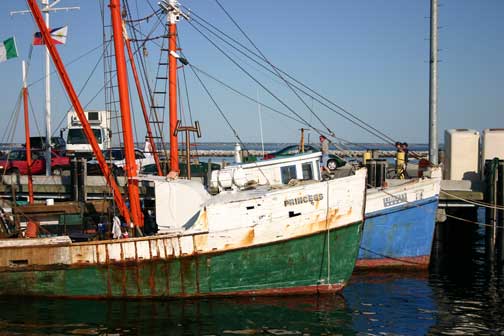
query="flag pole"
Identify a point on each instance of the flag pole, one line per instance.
(46, 10)
(27, 136)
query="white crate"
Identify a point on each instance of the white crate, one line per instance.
(462, 154)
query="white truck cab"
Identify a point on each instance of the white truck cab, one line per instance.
(77, 143)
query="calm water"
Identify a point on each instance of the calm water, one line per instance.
(462, 294)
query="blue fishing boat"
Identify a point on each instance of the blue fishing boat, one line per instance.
(400, 222)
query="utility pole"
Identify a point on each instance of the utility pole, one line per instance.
(47, 8)
(433, 129)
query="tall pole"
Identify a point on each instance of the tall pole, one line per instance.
(47, 95)
(129, 144)
(27, 136)
(433, 128)
(72, 95)
(47, 8)
(172, 86)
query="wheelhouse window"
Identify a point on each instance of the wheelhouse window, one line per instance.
(307, 171)
(288, 173)
(76, 136)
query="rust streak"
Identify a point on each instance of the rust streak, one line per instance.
(204, 219)
(249, 238)
(137, 271)
(182, 287)
(200, 242)
(152, 275)
(107, 261)
(124, 272)
(196, 263)
(167, 267)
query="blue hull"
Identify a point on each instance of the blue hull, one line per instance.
(399, 236)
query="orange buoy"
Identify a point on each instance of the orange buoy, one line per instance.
(32, 228)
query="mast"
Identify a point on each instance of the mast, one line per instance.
(37, 16)
(172, 88)
(46, 10)
(433, 131)
(142, 103)
(27, 136)
(172, 9)
(122, 82)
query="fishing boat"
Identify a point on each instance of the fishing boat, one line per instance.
(297, 238)
(400, 222)
(399, 218)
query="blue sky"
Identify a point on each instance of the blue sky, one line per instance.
(369, 56)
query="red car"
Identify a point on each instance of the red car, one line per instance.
(14, 162)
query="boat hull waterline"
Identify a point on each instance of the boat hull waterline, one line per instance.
(288, 247)
(400, 235)
(289, 267)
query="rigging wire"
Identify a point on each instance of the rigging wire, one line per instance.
(12, 123)
(146, 18)
(274, 68)
(80, 91)
(370, 129)
(66, 64)
(249, 75)
(145, 79)
(188, 101)
(218, 108)
(267, 90)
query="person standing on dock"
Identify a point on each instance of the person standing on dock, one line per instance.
(404, 148)
(147, 148)
(324, 148)
(398, 146)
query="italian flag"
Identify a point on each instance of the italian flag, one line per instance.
(8, 49)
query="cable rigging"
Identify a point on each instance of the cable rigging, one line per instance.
(264, 58)
(370, 129)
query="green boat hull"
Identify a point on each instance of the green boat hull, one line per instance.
(296, 266)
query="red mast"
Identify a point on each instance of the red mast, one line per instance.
(27, 135)
(142, 103)
(122, 82)
(172, 60)
(78, 109)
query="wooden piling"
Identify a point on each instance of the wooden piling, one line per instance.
(491, 214)
(500, 213)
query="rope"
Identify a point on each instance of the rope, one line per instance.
(481, 204)
(328, 238)
(218, 108)
(476, 223)
(146, 18)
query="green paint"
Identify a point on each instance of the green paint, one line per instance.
(294, 263)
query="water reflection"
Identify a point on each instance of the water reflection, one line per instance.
(282, 316)
(391, 303)
(468, 285)
(462, 294)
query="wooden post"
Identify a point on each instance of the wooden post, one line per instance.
(491, 198)
(500, 213)
(187, 130)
